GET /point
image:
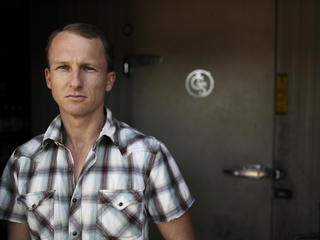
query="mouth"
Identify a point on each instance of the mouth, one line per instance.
(75, 97)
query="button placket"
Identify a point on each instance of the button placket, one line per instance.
(75, 198)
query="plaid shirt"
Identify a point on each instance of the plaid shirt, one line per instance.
(127, 178)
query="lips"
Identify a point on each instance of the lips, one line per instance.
(76, 97)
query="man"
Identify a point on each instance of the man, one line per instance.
(90, 176)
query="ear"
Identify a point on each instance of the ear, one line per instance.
(47, 76)
(111, 77)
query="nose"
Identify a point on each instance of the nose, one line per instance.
(76, 80)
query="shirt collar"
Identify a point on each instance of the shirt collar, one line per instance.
(55, 129)
(109, 128)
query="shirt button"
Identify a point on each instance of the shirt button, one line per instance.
(74, 200)
(74, 233)
(120, 204)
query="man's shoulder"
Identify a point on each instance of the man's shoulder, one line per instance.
(131, 139)
(31, 147)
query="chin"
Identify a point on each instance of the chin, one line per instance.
(74, 111)
(77, 111)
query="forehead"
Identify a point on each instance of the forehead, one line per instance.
(68, 44)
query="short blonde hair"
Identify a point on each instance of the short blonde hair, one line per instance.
(87, 31)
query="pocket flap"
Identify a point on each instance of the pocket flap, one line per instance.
(34, 199)
(120, 199)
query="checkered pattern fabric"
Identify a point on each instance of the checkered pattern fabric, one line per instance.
(128, 178)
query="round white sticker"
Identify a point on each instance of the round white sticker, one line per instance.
(199, 83)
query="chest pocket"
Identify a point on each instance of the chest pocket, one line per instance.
(40, 213)
(119, 214)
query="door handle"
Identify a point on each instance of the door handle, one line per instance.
(256, 171)
(140, 60)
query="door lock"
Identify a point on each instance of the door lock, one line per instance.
(256, 171)
(282, 193)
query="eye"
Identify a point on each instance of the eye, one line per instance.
(62, 67)
(89, 69)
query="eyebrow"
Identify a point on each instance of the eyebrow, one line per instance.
(94, 65)
(67, 63)
(59, 63)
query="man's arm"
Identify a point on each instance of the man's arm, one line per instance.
(18, 231)
(178, 229)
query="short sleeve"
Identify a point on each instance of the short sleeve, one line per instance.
(10, 208)
(167, 194)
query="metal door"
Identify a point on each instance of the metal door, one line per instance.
(232, 127)
(298, 131)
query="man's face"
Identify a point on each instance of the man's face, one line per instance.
(78, 76)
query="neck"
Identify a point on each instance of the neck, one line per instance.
(82, 131)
